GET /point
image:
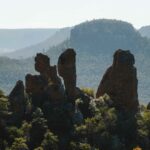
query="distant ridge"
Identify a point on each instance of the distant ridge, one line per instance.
(11, 39)
(145, 31)
(60, 36)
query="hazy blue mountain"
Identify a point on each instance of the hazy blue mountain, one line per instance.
(11, 39)
(12, 70)
(98, 33)
(145, 31)
(57, 38)
(103, 38)
(95, 42)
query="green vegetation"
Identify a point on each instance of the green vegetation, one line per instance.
(60, 129)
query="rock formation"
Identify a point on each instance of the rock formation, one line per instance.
(120, 81)
(17, 101)
(34, 84)
(67, 70)
(42, 64)
(47, 85)
(35, 87)
(55, 89)
(17, 97)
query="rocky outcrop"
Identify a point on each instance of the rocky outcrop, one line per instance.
(64, 108)
(35, 84)
(120, 81)
(35, 88)
(42, 64)
(55, 89)
(67, 70)
(47, 85)
(17, 97)
(17, 101)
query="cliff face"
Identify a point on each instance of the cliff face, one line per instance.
(120, 81)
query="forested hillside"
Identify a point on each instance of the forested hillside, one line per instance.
(12, 70)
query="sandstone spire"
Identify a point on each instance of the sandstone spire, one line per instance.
(120, 81)
(67, 70)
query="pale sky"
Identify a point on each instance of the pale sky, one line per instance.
(62, 13)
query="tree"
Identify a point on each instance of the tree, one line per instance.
(50, 141)
(38, 128)
(19, 144)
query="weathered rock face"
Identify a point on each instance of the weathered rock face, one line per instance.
(52, 75)
(35, 88)
(17, 101)
(55, 89)
(67, 70)
(42, 63)
(35, 84)
(120, 81)
(47, 85)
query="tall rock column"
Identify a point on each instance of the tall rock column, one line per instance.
(67, 70)
(120, 81)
